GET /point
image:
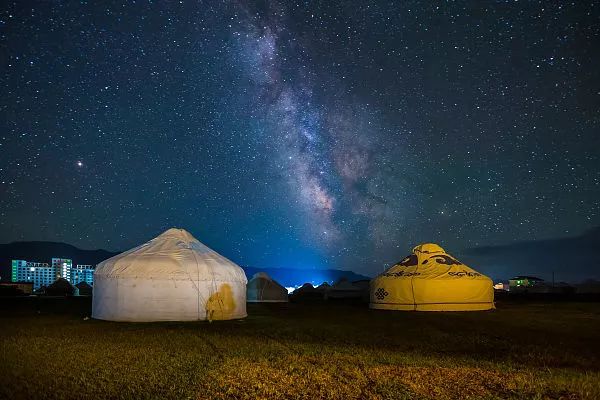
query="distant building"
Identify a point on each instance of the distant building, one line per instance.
(41, 274)
(531, 284)
(82, 273)
(524, 282)
(44, 274)
(63, 267)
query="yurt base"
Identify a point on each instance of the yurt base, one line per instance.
(266, 301)
(433, 307)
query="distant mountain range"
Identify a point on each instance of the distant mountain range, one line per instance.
(572, 259)
(295, 277)
(45, 251)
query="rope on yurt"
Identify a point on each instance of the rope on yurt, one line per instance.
(412, 287)
(262, 292)
(197, 283)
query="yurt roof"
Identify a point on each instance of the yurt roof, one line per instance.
(428, 248)
(428, 255)
(306, 286)
(176, 255)
(261, 275)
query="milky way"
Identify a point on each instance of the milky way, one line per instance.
(335, 135)
(324, 145)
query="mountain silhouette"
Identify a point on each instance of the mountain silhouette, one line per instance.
(295, 276)
(571, 259)
(45, 251)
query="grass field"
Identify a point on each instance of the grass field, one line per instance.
(303, 351)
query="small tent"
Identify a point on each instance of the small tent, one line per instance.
(364, 285)
(306, 288)
(431, 280)
(61, 287)
(306, 292)
(173, 277)
(263, 289)
(85, 289)
(343, 289)
(323, 287)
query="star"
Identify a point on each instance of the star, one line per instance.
(281, 134)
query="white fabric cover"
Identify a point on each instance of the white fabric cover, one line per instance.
(264, 289)
(173, 277)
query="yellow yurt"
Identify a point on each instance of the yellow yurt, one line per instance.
(431, 280)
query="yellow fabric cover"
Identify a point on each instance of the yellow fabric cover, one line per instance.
(428, 248)
(431, 280)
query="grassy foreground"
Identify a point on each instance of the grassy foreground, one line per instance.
(302, 351)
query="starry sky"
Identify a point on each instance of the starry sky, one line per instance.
(300, 134)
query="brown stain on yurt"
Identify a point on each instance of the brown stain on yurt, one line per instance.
(221, 304)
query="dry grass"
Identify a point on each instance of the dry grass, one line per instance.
(329, 351)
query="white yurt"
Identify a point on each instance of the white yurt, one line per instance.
(173, 277)
(264, 289)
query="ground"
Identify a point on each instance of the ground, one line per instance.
(50, 350)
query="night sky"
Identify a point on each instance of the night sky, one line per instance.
(308, 134)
